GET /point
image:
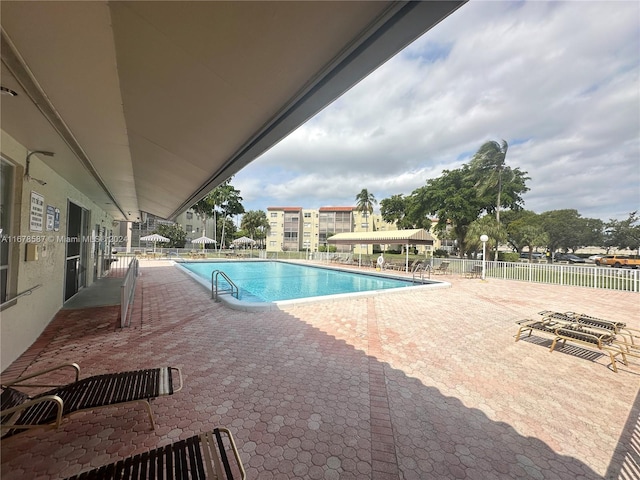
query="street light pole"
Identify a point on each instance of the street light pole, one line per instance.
(484, 239)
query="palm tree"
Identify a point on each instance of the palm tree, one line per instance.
(365, 202)
(256, 224)
(488, 164)
(227, 198)
(486, 225)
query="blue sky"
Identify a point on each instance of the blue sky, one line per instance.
(559, 81)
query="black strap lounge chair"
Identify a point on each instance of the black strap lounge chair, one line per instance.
(21, 411)
(204, 456)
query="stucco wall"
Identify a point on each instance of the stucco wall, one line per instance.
(21, 323)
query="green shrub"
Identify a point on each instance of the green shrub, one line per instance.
(508, 256)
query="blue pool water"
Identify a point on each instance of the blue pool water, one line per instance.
(276, 281)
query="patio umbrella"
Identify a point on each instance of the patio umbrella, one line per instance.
(244, 241)
(154, 238)
(203, 240)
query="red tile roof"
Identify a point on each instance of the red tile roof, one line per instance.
(286, 209)
(337, 209)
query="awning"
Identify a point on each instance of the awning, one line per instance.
(148, 106)
(416, 236)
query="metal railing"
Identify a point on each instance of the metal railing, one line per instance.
(232, 288)
(127, 292)
(173, 253)
(21, 294)
(421, 270)
(590, 276)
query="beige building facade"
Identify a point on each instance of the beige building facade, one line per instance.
(55, 241)
(300, 229)
(196, 225)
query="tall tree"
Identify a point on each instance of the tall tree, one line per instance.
(176, 235)
(365, 202)
(205, 209)
(458, 197)
(494, 179)
(524, 229)
(230, 202)
(393, 210)
(255, 224)
(624, 234)
(452, 199)
(224, 201)
(490, 227)
(567, 230)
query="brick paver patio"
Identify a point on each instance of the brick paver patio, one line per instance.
(411, 386)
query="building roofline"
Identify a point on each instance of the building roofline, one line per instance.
(286, 209)
(336, 209)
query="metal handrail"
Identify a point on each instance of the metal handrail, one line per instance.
(21, 294)
(215, 291)
(421, 269)
(127, 292)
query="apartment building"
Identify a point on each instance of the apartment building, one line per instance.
(299, 229)
(286, 229)
(196, 225)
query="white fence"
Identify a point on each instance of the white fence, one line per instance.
(585, 275)
(588, 275)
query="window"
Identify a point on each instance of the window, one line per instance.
(274, 214)
(307, 215)
(272, 243)
(364, 225)
(307, 234)
(189, 215)
(307, 225)
(189, 228)
(6, 207)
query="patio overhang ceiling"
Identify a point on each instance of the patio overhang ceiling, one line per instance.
(149, 105)
(393, 237)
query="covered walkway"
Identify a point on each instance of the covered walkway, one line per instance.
(397, 386)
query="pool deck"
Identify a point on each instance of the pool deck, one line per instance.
(427, 385)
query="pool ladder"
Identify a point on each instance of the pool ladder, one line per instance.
(216, 290)
(420, 271)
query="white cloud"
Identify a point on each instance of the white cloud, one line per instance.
(560, 81)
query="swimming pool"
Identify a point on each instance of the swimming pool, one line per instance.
(264, 283)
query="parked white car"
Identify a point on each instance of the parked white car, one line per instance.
(593, 258)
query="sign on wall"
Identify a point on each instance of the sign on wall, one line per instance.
(51, 212)
(36, 213)
(56, 220)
